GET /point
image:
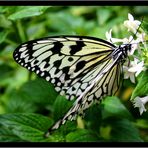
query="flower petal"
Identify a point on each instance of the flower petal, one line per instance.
(140, 102)
(130, 17)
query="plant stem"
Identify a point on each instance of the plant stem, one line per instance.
(21, 32)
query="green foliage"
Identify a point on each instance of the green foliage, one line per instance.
(142, 86)
(82, 135)
(113, 107)
(123, 127)
(23, 12)
(29, 105)
(26, 127)
(61, 106)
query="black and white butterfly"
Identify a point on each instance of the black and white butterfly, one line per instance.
(85, 68)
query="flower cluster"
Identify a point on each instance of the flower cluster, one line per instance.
(140, 102)
(137, 64)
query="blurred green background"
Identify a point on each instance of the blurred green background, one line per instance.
(29, 104)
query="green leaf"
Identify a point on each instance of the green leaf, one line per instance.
(29, 127)
(39, 91)
(114, 107)
(106, 14)
(82, 135)
(5, 71)
(6, 135)
(18, 76)
(93, 116)
(142, 123)
(142, 86)
(3, 36)
(61, 106)
(3, 9)
(124, 131)
(34, 96)
(28, 11)
(69, 24)
(41, 30)
(5, 23)
(19, 102)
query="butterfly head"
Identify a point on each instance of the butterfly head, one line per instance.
(122, 52)
(125, 49)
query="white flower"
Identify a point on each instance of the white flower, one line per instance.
(136, 67)
(135, 43)
(128, 74)
(132, 24)
(133, 48)
(140, 102)
(140, 37)
(109, 35)
(115, 40)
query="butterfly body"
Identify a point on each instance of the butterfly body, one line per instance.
(85, 68)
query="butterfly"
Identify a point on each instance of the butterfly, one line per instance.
(81, 67)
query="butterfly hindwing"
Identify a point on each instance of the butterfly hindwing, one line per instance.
(106, 83)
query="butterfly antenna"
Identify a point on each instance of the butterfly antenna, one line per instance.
(137, 30)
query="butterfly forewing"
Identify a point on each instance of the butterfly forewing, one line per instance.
(69, 62)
